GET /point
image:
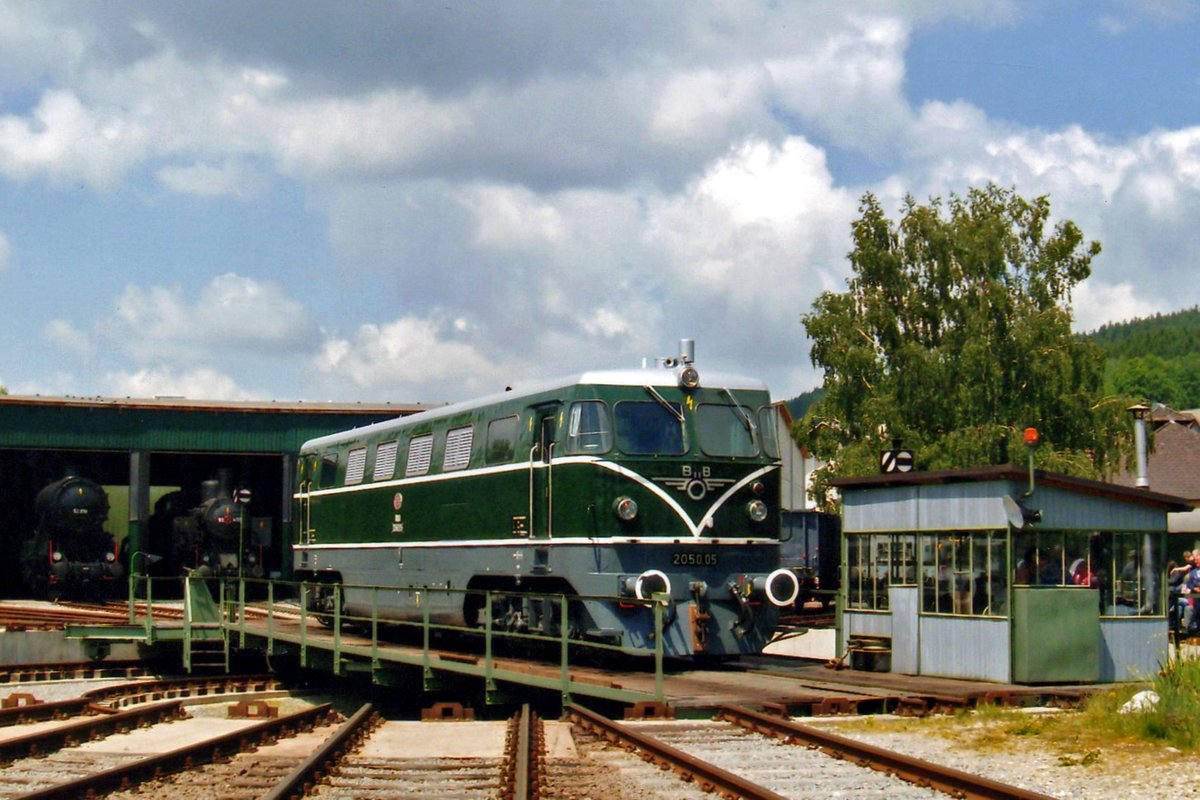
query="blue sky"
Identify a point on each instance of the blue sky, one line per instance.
(422, 202)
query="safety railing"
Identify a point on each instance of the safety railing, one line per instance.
(283, 604)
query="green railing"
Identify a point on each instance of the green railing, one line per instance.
(287, 600)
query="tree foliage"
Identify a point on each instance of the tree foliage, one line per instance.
(954, 335)
(1156, 359)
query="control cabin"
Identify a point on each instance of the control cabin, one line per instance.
(996, 574)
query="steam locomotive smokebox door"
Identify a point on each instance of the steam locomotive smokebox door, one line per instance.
(260, 531)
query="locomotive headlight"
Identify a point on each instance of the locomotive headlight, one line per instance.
(109, 557)
(56, 556)
(625, 508)
(756, 510)
(689, 377)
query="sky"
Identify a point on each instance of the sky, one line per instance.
(421, 202)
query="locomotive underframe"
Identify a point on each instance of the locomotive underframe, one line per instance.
(712, 609)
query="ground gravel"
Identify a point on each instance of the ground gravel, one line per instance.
(1132, 770)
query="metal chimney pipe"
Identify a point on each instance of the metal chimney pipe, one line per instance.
(1139, 439)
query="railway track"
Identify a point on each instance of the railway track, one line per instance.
(101, 750)
(742, 755)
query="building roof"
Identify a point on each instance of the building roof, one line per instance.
(1173, 465)
(1013, 472)
(186, 404)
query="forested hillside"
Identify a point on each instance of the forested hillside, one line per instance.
(1156, 359)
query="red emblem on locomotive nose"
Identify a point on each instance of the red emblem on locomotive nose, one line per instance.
(397, 501)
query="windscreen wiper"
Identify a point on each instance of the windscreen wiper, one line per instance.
(741, 412)
(675, 412)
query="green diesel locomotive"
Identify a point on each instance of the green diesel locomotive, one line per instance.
(611, 487)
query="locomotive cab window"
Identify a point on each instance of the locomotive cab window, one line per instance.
(588, 428)
(329, 465)
(501, 440)
(726, 430)
(768, 431)
(650, 428)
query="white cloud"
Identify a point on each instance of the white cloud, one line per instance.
(70, 339)
(1095, 303)
(67, 141)
(5, 251)
(408, 356)
(706, 103)
(231, 315)
(208, 181)
(195, 384)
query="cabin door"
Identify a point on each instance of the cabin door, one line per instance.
(541, 474)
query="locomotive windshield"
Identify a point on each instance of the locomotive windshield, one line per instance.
(589, 429)
(650, 428)
(726, 431)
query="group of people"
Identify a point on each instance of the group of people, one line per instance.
(1183, 583)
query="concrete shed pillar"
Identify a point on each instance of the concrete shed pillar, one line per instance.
(139, 500)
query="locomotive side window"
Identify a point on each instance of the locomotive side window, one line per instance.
(458, 448)
(501, 440)
(356, 465)
(420, 450)
(385, 461)
(768, 430)
(725, 430)
(588, 428)
(329, 470)
(648, 428)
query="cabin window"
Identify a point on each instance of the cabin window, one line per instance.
(329, 466)
(1123, 566)
(356, 465)
(458, 449)
(588, 428)
(726, 430)
(768, 430)
(501, 440)
(420, 451)
(650, 428)
(964, 573)
(873, 563)
(385, 461)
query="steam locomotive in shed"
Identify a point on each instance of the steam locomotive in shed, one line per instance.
(613, 488)
(202, 533)
(70, 554)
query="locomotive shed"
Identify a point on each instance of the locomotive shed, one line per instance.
(138, 449)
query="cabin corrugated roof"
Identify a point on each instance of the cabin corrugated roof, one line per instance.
(1014, 472)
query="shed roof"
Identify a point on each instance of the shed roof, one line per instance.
(1013, 472)
(177, 424)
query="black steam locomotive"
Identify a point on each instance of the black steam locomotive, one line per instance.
(205, 534)
(70, 554)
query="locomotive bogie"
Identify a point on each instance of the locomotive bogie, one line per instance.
(610, 488)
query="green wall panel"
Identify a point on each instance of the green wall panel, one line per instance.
(1056, 635)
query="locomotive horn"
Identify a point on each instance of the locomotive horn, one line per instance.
(781, 587)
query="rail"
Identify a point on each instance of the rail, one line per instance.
(524, 746)
(707, 776)
(182, 758)
(925, 773)
(325, 758)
